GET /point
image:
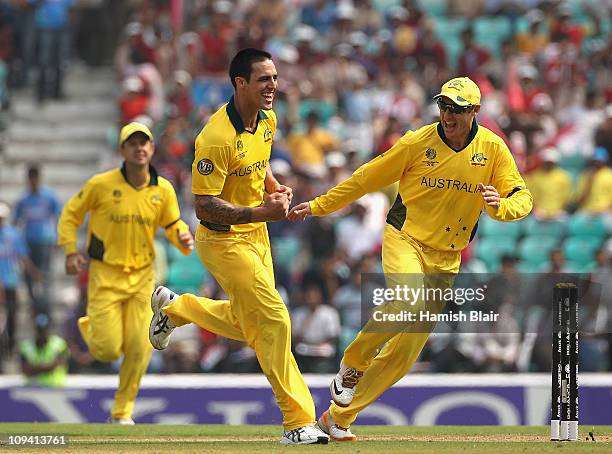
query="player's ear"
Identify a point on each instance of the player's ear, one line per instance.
(476, 109)
(241, 82)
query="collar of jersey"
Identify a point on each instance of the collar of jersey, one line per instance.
(234, 117)
(152, 173)
(471, 136)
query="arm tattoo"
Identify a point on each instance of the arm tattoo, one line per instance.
(213, 209)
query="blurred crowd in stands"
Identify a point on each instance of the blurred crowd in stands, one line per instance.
(355, 75)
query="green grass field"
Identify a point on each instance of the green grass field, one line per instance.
(241, 439)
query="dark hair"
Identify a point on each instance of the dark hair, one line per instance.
(242, 63)
(33, 171)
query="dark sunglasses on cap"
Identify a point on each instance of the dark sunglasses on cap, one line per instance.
(453, 108)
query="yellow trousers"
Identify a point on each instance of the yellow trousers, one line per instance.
(385, 356)
(117, 322)
(255, 313)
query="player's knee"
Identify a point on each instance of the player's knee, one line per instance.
(105, 352)
(278, 321)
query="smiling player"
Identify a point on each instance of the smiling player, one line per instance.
(235, 194)
(448, 172)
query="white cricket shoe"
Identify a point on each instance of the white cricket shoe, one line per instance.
(122, 421)
(307, 435)
(336, 433)
(342, 387)
(161, 326)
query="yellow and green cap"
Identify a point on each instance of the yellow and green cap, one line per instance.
(463, 91)
(132, 128)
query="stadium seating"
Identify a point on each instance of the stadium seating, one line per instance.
(186, 274)
(580, 251)
(490, 250)
(549, 229)
(448, 30)
(587, 227)
(491, 228)
(433, 7)
(492, 31)
(285, 251)
(534, 251)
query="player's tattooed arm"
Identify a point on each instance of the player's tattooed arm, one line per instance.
(213, 209)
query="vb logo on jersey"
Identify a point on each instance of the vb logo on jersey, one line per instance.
(478, 159)
(205, 167)
(156, 199)
(430, 154)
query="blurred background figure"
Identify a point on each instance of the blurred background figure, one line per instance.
(36, 213)
(315, 331)
(44, 359)
(595, 185)
(52, 20)
(551, 187)
(13, 261)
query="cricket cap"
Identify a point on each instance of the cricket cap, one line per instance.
(133, 128)
(463, 91)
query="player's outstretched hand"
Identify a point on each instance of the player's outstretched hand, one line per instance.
(186, 239)
(299, 212)
(74, 263)
(490, 195)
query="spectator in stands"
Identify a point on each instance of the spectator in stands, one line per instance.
(37, 212)
(13, 258)
(52, 19)
(535, 38)
(472, 61)
(348, 298)
(551, 187)
(308, 149)
(319, 14)
(603, 133)
(134, 102)
(595, 185)
(357, 237)
(315, 331)
(44, 360)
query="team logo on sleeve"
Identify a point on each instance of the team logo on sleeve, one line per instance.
(478, 159)
(205, 167)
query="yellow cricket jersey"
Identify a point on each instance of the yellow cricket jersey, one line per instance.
(230, 162)
(552, 190)
(123, 219)
(438, 203)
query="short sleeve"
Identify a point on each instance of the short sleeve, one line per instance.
(209, 170)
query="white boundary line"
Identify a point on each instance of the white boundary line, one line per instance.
(153, 381)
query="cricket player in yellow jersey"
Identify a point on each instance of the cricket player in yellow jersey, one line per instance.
(235, 194)
(126, 206)
(448, 172)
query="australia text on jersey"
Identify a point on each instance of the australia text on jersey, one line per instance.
(449, 183)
